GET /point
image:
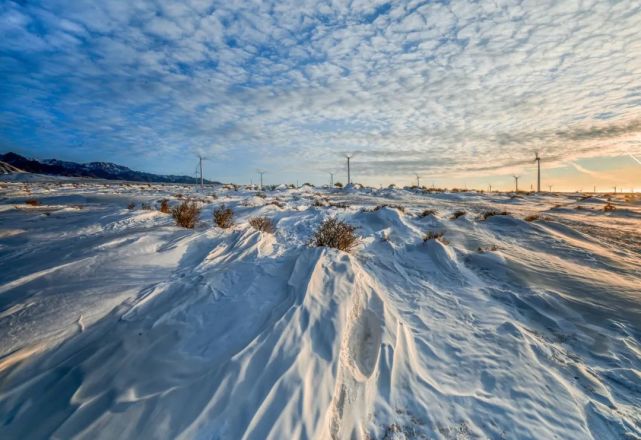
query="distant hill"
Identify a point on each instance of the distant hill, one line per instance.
(100, 170)
(6, 168)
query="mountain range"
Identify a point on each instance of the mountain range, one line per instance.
(100, 170)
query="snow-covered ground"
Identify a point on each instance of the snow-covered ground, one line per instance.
(115, 323)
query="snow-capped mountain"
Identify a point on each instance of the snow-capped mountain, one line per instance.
(102, 170)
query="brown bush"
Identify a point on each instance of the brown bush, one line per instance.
(609, 207)
(335, 234)
(427, 212)
(262, 224)
(457, 214)
(433, 235)
(131, 206)
(186, 214)
(32, 202)
(492, 213)
(164, 206)
(277, 203)
(385, 205)
(531, 218)
(224, 217)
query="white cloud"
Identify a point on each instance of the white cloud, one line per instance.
(436, 87)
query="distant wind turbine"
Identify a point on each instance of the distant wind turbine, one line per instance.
(537, 159)
(349, 177)
(516, 182)
(200, 166)
(331, 180)
(261, 172)
(418, 180)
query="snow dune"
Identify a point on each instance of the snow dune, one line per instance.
(114, 323)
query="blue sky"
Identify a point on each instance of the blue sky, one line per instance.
(460, 92)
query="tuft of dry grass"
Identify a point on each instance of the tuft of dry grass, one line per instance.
(262, 224)
(609, 207)
(32, 202)
(186, 214)
(277, 203)
(164, 206)
(224, 217)
(532, 218)
(131, 206)
(492, 213)
(492, 248)
(457, 214)
(427, 212)
(262, 195)
(336, 234)
(385, 205)
(434, 235)
(146, 206)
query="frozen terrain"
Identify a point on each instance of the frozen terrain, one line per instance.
(115, 323)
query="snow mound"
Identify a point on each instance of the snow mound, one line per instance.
(115, 323)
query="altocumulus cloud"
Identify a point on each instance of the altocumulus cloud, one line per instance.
(444, 87)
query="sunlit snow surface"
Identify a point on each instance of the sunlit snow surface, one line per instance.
(114, 323)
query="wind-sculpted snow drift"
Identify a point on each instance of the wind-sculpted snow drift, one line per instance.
(114, 323)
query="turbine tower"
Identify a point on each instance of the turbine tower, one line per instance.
(516, 182)
(418, 180)
(261, 172)
(349, 176)
(537, 159)
(200, 166)
(331, 180)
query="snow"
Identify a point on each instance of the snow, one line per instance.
(115, 323)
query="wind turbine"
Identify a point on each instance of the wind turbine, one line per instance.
(349, 177)
(537, 159)
(516, 182)
(331, 180)
(490, 186)
(261, 172)
(200, 166)
(418, 180)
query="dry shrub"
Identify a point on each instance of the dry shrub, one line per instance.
(224, 217)
(385, 205)
(32, 202)
(341, 205)
(492, 248)
(319, 203)
(262, 195)
(262, 224)
(277, 203)
(186, 214)
(164, 206)
(492, 213)
(531, 218)
(433, 235)
(427, 212)
(336, 234)
(457, 214)
(146, 206)
(131, 206)
(609, 207)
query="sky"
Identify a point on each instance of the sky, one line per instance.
(460, 92)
